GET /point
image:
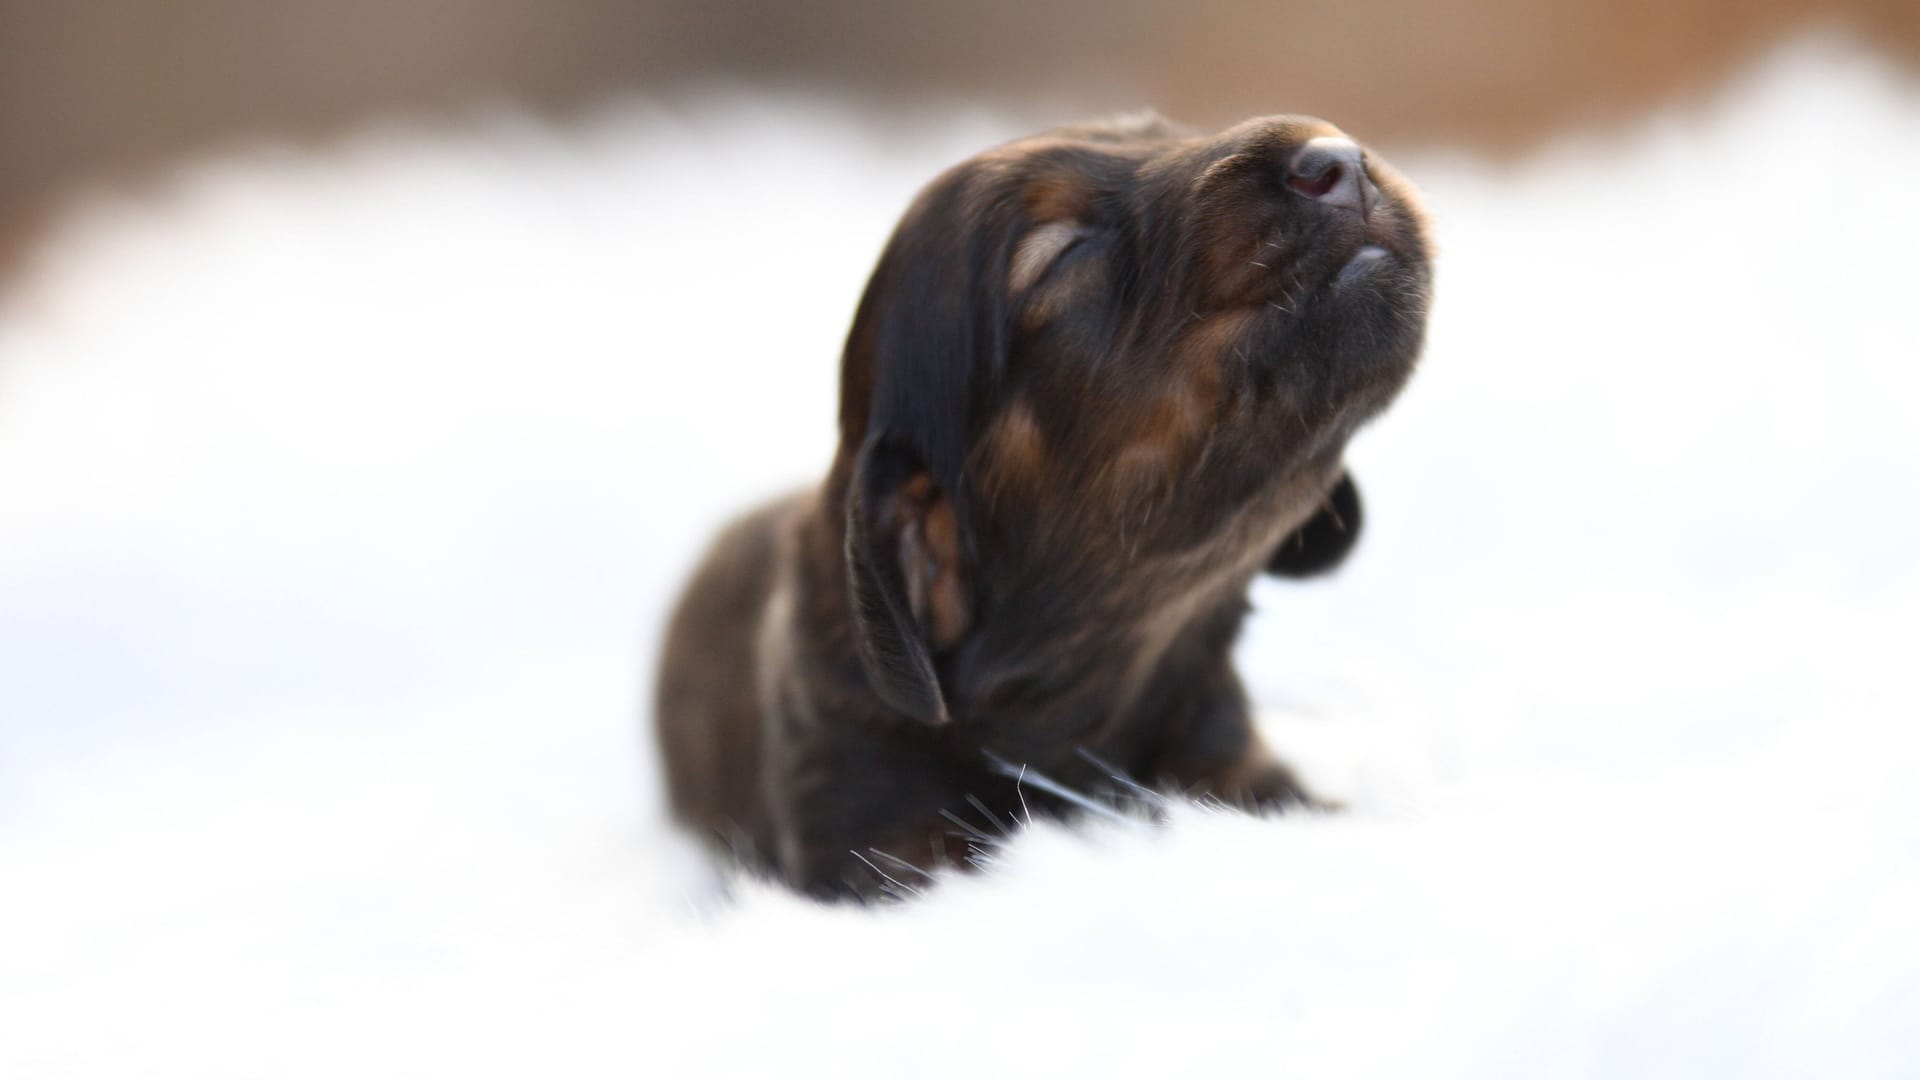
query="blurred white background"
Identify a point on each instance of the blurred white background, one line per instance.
(343, 490)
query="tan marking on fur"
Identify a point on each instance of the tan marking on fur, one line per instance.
(917, 490)
(1154, 445)
(1172, 425)
(1057, 197)
(1139, 472)
(1175, 419)
(1015, 452)
(930, 561)
(1210, 345)
(949, 612)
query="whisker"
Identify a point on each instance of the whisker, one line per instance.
(897, 861)
(1055, 789)
(1119, 776)
(989, 815)
(971, 832)
(890, 879)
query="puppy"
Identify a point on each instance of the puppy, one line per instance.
(1100, 378)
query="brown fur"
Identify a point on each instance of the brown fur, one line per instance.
(1064, 454)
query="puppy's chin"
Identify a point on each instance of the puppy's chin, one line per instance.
(1375, 299)
(1370, 259)
(1357, 339)
(1380, 316)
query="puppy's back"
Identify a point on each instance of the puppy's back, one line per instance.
(706, 703)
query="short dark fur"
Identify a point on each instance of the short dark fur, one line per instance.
(1098, 381)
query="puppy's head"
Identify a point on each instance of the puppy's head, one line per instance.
(1117, 352)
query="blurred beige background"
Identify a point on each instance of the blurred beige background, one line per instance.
(93, 89)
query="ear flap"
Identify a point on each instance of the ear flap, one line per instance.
(1322, 542)
(904, 567)
(930, 335)
(928, 340)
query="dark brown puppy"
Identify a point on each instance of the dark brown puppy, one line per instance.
(1100, 379)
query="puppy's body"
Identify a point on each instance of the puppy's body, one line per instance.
(777, 748)
(1100, 379)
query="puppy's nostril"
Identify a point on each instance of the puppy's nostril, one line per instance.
(1315, 186)
(1332, 170)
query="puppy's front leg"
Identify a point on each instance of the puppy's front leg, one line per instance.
(858, 815)
(1217, 753)
(832, 864)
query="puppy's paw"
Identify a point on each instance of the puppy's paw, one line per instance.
(1323, 541)
(1260, 785)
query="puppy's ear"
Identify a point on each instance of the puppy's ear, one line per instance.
(1323, 540)
(928, 343)
(929, 339)
(904, 566)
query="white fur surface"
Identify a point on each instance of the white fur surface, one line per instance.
(342, 493)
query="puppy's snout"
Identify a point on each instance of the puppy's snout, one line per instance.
(1333, 171)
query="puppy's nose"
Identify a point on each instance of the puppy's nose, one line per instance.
(1333, 171)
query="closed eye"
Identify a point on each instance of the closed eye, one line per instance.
(1039, 250)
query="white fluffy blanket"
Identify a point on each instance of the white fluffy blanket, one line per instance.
(342, 491)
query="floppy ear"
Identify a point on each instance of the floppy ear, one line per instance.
(1323, 540)
(904, 567)
(928, 341)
